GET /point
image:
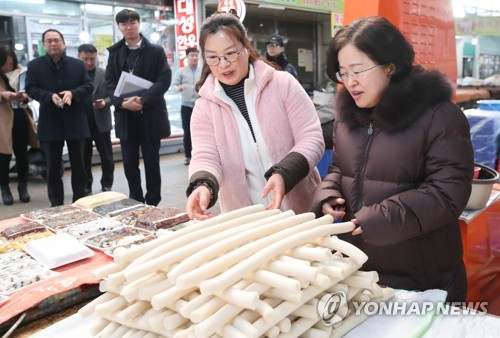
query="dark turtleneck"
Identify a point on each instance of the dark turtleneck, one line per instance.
(237, 94)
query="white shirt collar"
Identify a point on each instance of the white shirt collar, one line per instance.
(137, 46)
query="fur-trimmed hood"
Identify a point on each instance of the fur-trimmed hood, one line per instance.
(403, 102)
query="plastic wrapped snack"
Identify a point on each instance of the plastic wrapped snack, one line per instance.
(129, 218)
(62, 221)
(111, 239)
(18, 271)
(12, 256)
(118, 207)
(15, 237)
(84, 230)
(92, 201)
(43, 214)
(112, 251)
(162, 219)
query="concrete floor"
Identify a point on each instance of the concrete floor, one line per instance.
(174, 183)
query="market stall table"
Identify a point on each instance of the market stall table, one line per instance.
(481, 242)
(72, 285)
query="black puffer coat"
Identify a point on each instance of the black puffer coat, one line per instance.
(405, 169)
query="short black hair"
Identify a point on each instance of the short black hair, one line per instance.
(378, 38)
(52, 30)
(126, 15)
(87, 48)
(191, 50)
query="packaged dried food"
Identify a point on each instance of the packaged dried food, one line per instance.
(21, 273)
(84, 230)
(42, 214)
(106, 197)
(112, 251)
(12, 256)
(15, 237)
(162, 218)
(129, 218)
(111, 239)
(62, 221)
(118, 207)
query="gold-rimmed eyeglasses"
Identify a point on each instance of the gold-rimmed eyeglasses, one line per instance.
(230, 57)
(342, 77)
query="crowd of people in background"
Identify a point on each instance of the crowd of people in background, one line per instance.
(75, 105)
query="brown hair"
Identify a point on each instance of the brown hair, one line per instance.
(5, 52)
(232, 26)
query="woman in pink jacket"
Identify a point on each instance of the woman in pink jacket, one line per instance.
(255, 133)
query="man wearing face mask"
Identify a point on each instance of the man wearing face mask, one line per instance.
(276, 53)
(61, 85)
(141, 121)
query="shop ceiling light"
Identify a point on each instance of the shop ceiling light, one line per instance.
(270, 6)
(35, 2)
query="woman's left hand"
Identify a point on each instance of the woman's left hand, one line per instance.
(22, 97)
(276, 185)
(358, 230)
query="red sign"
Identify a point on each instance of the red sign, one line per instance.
(186, 32)
(237, 5)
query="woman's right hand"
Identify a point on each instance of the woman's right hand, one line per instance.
(197, 204)
(335, 208)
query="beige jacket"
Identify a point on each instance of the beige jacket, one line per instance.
(6, 122)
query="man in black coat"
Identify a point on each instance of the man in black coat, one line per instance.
(61, 85)
(98, 108)
(140, 121)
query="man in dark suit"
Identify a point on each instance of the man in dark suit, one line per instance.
(140, 121)
(61, 85)
(99, 119)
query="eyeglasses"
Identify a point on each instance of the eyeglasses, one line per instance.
(272, 45)
(49, 41)
(229, 57)
(342, 77)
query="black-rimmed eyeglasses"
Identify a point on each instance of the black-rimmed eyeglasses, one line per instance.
(342, 77)
(230, 57)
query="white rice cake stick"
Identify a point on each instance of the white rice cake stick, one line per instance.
(291, 225)
(202, 229)
(181, 248)
(116, 304)
(318, 254)
(225, 241)
(292, 269)
(169, 297)
(131, 290)
(146, 293)
(289, 239)
(276, 280)
(89, 308)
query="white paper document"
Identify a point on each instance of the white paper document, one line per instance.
(131, 85)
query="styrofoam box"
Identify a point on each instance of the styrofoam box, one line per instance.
(57, 250)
